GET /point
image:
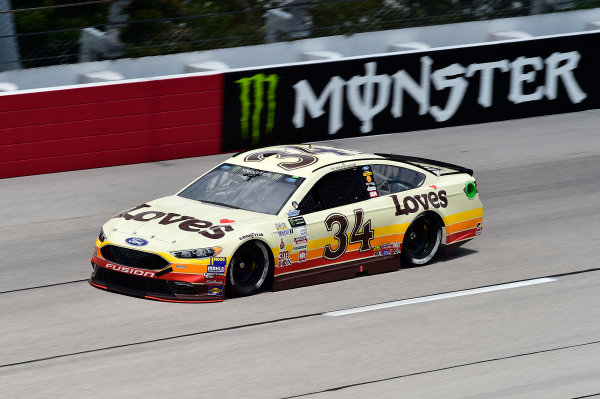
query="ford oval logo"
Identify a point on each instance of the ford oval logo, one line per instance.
(138, 242)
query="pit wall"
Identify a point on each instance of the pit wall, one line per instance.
(201, 114)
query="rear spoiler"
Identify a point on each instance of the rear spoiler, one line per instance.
(429, 165)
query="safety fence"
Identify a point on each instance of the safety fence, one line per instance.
(156, 119)
(36, 33)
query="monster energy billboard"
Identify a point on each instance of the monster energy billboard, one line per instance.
(405, 92)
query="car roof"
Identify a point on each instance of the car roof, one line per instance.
(304, 158)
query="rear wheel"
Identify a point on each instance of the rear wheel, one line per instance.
(421, 240)
(248, 269)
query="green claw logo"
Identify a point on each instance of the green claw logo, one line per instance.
(251, 117)
(470, 190)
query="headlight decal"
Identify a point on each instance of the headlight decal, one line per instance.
(198, 253)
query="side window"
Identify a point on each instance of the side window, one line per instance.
(392, 179)
(335, 189)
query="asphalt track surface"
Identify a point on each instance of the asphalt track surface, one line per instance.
(539, 180)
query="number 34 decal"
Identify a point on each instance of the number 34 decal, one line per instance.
(362, 234)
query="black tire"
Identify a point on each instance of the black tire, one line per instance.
(421, 241)
(249, 269)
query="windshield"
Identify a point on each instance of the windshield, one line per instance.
(244, 188)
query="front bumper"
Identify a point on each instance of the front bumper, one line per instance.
(162, 285)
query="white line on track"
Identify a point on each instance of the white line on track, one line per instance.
(437, 297)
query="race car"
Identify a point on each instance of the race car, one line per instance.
(287, 216)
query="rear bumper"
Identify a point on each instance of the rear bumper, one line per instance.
(158, 285)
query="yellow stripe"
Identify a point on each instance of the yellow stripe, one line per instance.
(461, 216)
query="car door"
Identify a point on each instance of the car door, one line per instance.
(332, 225)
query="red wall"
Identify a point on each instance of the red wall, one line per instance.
(107, 125)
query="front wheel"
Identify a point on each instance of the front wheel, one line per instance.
(421, 240)
(248, 269)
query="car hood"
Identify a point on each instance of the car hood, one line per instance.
(177, 223)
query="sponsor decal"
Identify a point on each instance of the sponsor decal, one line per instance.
(218, 261)
(225, 167)
(377, 248)
(390, 245)
(281, 225)
(214, 290)
(251, 235)
(371, 188)
(254, 92)
(185, 223)
(343, 166)
(293, 212)
(284, 259)
(137, 241)
(369, 179)
(209, 275)
(367, 173)
(412, 204)
(470, 190)
(299, 247)
(386, 252)
(294, 204)
(297, 221)
(130, 270)
(410, 91)
(302, 257)
(290, 180)
(215, 269)
(366, 167)
(283, 233)
(379, 90)
(181, 267)
(479, 229)
(277, 176)
(215, 282)
(302, 231)
(372, 194)
(300, 240)
(281, 244)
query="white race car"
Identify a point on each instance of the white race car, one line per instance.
(287, 216)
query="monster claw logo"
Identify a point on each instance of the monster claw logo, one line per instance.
(252, 111)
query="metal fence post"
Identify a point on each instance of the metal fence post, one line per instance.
(9, 48)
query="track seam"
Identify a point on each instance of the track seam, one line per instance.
(339, 388)
(43, 286)
(160, 340)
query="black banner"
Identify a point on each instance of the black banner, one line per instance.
(405, 92)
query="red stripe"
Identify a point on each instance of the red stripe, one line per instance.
(316, 262)
(97, 285)
(180, 301)
(461, 235)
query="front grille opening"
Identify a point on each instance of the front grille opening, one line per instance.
(133, 258)
(128, 281)
(183, 288)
